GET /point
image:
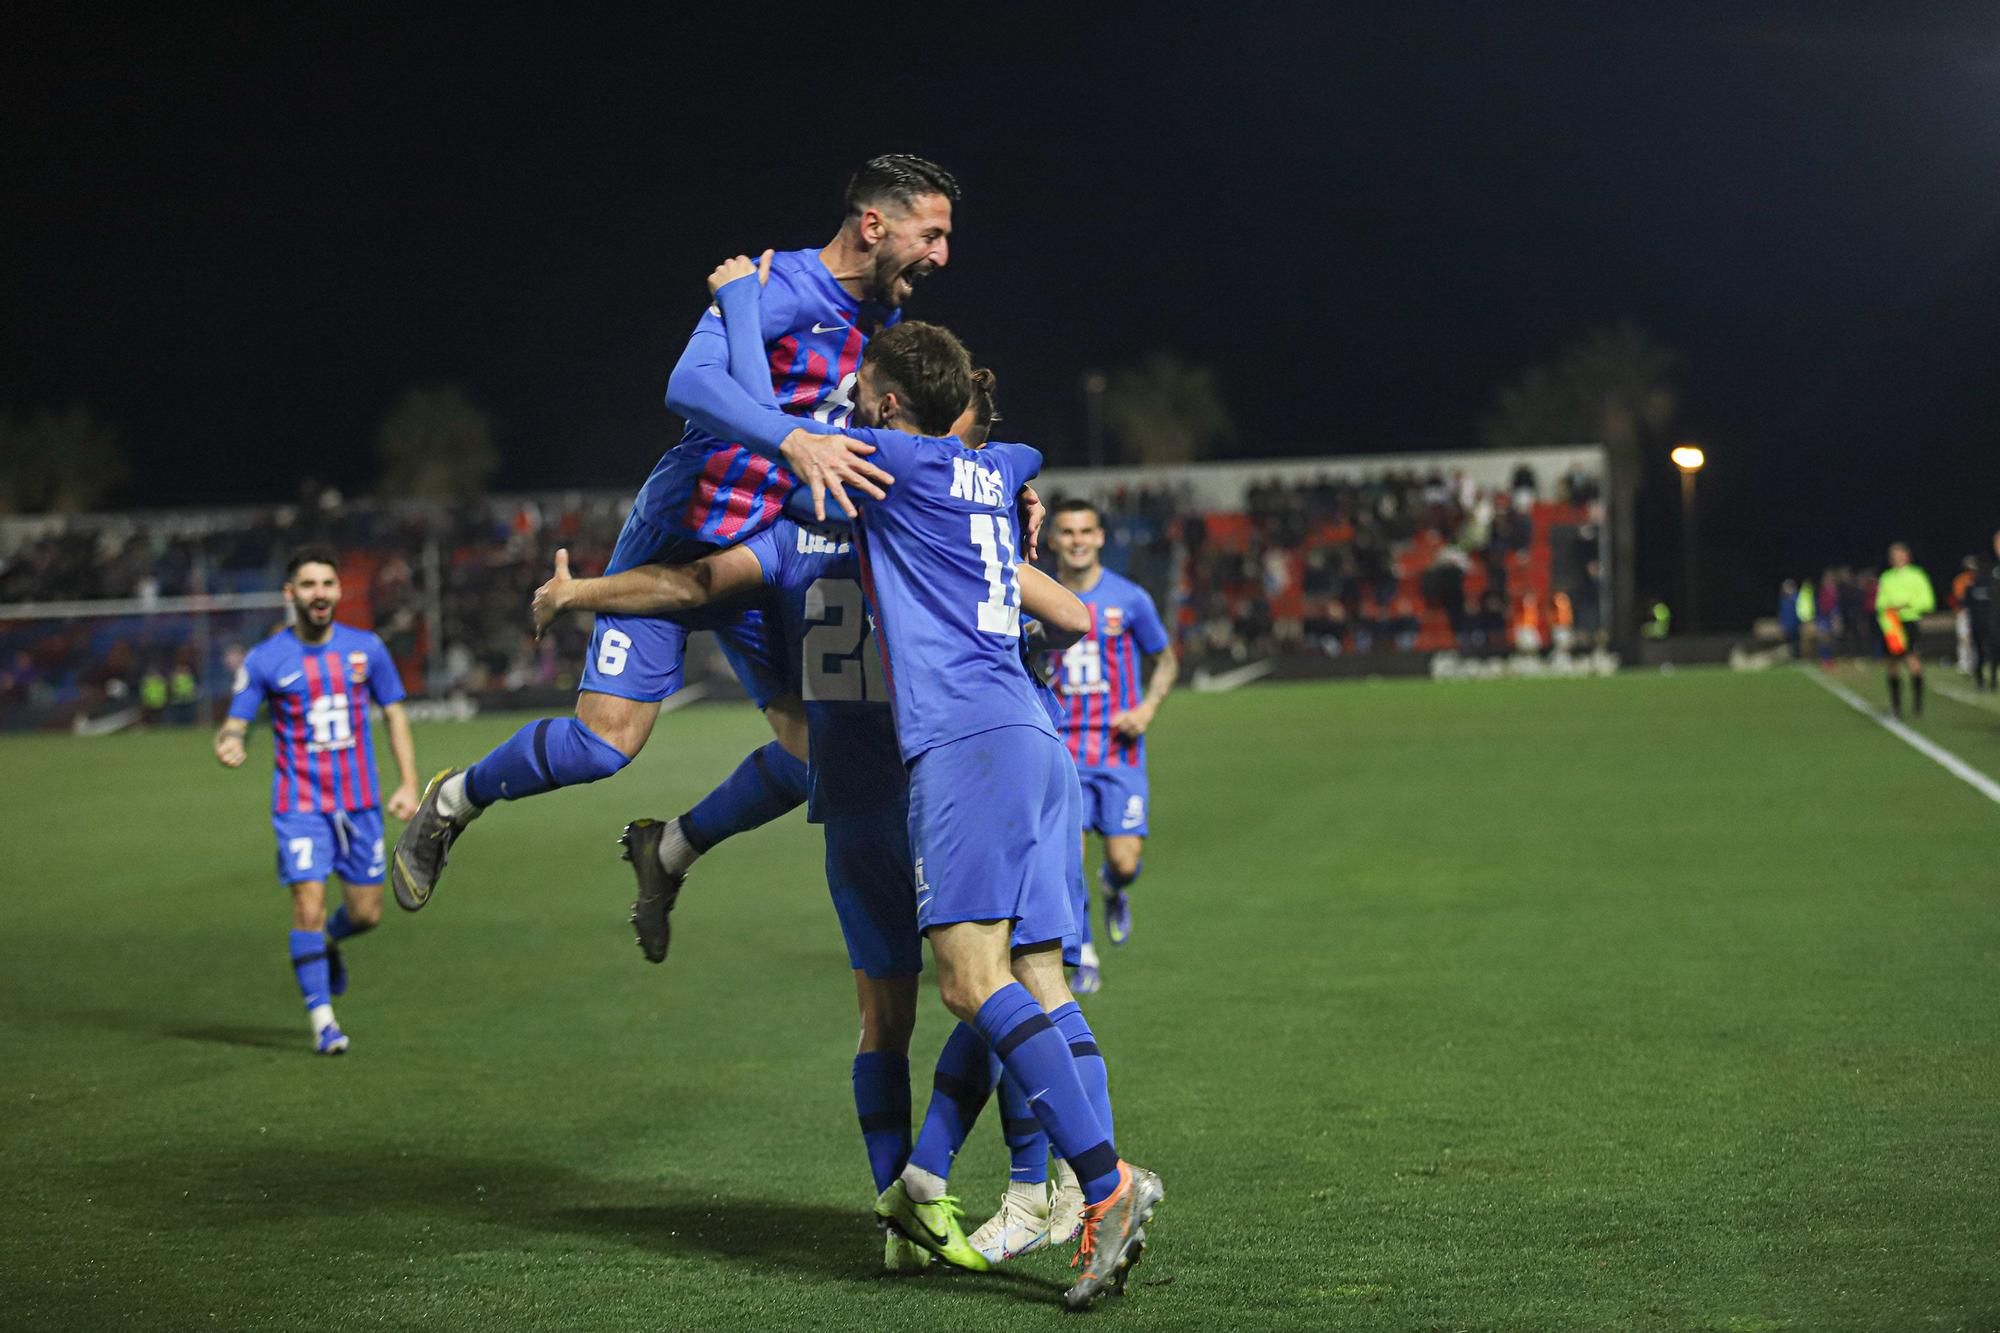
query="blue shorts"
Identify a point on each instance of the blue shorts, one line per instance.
(641, 657)
(996, 829)
(317, 846)
(869, 874)
(1114, 801)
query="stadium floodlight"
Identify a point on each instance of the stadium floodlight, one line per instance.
(1689, 458)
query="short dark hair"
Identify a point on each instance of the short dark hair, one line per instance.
(984, 404)
(1077, 505)
(929, 370)
(312, 555)
(900, 177)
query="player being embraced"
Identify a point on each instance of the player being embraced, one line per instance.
(326, 799)
(727, 480)
(1103, 714)
(857, 791)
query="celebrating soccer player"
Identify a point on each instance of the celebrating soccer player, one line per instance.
(726, 481)
(326, 804)
(1104, 714)
(1903, 597)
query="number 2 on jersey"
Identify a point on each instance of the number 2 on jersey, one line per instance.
(1000, 613)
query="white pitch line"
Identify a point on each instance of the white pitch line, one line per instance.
(1923, 745)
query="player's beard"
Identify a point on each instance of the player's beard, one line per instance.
(894, 283)
(315, 616)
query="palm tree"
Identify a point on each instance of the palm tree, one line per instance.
(58, 462)
(436, 445)
(1164, 410)
(1615, 387)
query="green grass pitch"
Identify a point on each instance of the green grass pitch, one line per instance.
(1636, 1003)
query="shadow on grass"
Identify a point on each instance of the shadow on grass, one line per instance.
(280, 1184)
(244, 1034)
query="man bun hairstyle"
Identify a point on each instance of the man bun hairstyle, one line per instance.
(927, 368)
(900, 177)
(311, 555)
(984, 404)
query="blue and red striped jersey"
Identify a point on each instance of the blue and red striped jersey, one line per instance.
(319, 696)
(718, 491)
(1097, 677)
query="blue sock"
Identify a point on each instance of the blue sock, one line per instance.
(309, 963)
(882, 1100)
(958, 1093)
(1026, 1144)
(340, 926)
(542, 756)
(1091, 1070)
(1115, 881)
(1037, 1057)
(767, 784)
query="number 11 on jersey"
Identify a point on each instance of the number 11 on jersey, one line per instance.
(1000, 613)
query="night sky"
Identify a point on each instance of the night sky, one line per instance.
(238, 236)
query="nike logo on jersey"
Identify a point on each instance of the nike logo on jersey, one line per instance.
(828, 328)
(286, 680)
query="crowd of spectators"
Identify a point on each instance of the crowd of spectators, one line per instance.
(1400, 561)
(1324, 565)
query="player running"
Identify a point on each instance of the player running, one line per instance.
(1903, 597)
(857, 789)
(727, 480)
(326, 806)
(1104, 716)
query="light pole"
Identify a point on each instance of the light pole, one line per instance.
(1094, 385)
(1689, 458)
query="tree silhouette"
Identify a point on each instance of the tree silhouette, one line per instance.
(1164, 410)
(1615, 387)
(58, 462)
(436, 445)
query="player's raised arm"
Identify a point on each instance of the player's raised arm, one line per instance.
(1062, 617)
(721, 383)
(648, 590)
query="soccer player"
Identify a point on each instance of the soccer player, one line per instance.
(857, 791)
(326, 804)
(1903, 596)
(728, 479)
(993, 800)
(1105, 715)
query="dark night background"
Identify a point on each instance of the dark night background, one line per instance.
(239, 234)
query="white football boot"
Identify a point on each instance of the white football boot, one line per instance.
(1020, 1227)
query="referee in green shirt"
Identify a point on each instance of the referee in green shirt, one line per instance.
(1902, 598)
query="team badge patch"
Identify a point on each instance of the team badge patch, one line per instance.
(357, 668)
(1114, 621)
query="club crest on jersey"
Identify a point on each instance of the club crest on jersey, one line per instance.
(1113, 621)
(971, 481)
(357, 668)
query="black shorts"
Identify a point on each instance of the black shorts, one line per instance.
(1912, 647)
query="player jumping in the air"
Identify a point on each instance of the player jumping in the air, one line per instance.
(1105, 715)
(326, 800)
(1903, 597)
(858, 789)
(727, 480)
